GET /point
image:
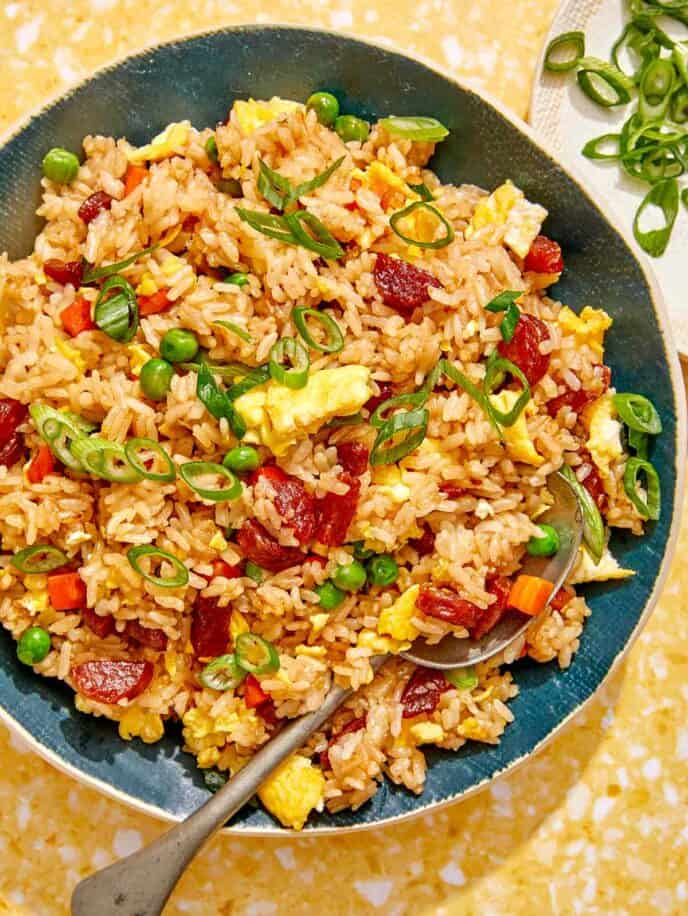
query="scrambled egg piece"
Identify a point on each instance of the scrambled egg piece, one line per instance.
(252, 114)
(277, 416)
(586, 570)
(147, 286)
(35, 602)
(381, 645)
(589, 327)
(390, 479)
(516, 438)
(165, 144)
(507, 206)
(426, 732)
(237, 625)
(381, 179)
(71, 353)
(293, 791)
(604, 434)
(318, 622)
(395, 621)
(138, 357)
(471, 728)
(311, 651)
(138, 723)
(218, 542)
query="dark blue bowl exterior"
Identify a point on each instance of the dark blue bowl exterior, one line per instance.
(198, 79)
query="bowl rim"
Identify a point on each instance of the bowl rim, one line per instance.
(602, 205)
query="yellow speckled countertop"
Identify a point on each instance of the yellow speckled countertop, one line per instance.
(596, 824)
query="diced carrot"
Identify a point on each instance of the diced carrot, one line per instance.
(254, 695)
(133, 178)
(153, 305)
(67, 591)
(77, 317)
(529, 594)
(222, 568)
(42, 465)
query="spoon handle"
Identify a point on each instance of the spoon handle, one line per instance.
(140, 884)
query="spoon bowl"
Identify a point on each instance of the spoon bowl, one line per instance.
(565, 517)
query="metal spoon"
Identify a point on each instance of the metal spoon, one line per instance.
(140, 884)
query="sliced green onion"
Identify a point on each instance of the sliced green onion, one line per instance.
(353, 419)
(253, 379)
(217, 402)
(462, 678)
(222, 673)
(104, 459)
(564, 52)
(593, 149)
(604, 83)
(59, 429)
(191, 471)
(638, 413)
(275, 188)
(235, 329)
(502, 302)
(255, 654)
(663, 195)
(109, 270)
(41, 558)
(639, 442)
(648, 506)
(133, 449)
(593, 526)
(335, 339)
(494, 374)
(387, 448)
(180, 576)
(508, 324)
(656, 86)
(400, 215)
(230, 370)
(293, 352)
(471, 389)
(321, 240)
(279, 191)
(117, 315)
(423, 191)
(307, 187)
(253, 571)
(678, 107)
(679, 56)
(684, 197)
(237, 278)
(633, 39)
(275, 227)
(420, 128)
(382, 412)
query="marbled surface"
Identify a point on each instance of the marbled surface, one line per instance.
(596, 824)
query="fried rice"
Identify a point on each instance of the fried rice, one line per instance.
(453, 513)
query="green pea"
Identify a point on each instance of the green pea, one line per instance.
(361, 552)
(546, 545)
(242, 458)
(350, 577)
(179, 346)
(351, 128)
(33, 646)
(326, 107)
(60, 166)
(383, 569)
(254, 571)
(330, 596)
(155, 379)
(214, 780)
(211, 149)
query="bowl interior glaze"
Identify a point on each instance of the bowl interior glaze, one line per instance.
(198, 78)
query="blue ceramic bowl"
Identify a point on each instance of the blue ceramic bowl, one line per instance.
(199, 78)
